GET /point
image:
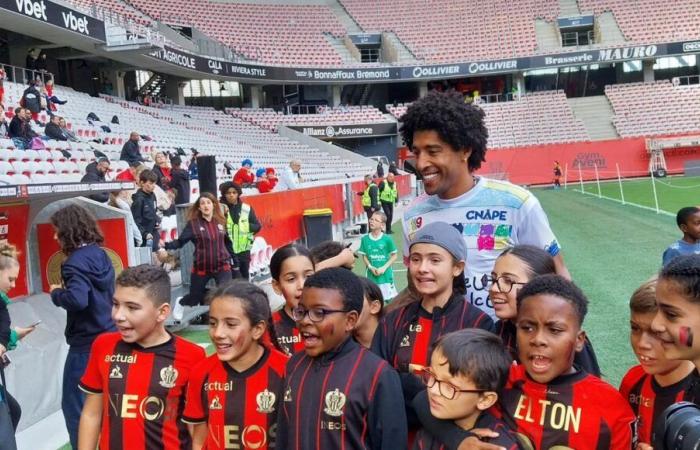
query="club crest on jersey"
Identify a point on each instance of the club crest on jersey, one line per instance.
(335, 401)
(288, 395)
(265, 401)
(168, 376)
(405, 342)
(116, 372)
(215, 403)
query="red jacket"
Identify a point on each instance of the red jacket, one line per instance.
(244, 176)
(264, 186)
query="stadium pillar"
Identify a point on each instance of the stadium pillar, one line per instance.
(337, 90)
(519, 81)
(422, 89)
(175, 89)
(255, 95)
(116, 77)
(648, 70)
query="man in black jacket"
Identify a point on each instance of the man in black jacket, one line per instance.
(130, 150)
(20, 130)
(180, 181)
(144, 209)
(53, 129)
(95, 173)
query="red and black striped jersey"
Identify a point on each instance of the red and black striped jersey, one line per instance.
(506, 437)
(288, 336)
(406, 335)
(143, 391)
(239, 408)
(212, 245)
(345, 399)
(648, 399)
(585, 359)
(578, 411)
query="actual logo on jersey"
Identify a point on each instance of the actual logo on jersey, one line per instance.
(265, 401)
(405, 342)
(335, 401)
(288, 395)
(215, 403)
(168, 376)
(116, 372)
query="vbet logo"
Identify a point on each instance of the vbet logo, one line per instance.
(37, 9)
(32, 9)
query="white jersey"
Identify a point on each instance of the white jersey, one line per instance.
(492, 216)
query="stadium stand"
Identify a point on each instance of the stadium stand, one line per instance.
(346, 115)
(457, 30)
(645, 109)
(276, 34)
(116, 6)
(536, 119)
(660, 20)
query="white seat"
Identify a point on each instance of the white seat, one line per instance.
(22, 167)
(6, 167)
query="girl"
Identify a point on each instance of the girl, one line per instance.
(234, 395)
(677, 321)
(162, 170)
(289, 268)
(86, 294)
(372, 311)
(513, 269)
(405, 336)
(9, 337)
(212, 250)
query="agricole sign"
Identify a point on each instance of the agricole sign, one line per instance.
(422, 72)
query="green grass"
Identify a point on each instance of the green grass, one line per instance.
(673, 193)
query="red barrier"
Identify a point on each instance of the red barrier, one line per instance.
(403, 184)
(357, 186)
(14, 225)
(280, 213)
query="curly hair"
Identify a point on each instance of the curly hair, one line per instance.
(457, 123)
(8, 256)
(75, 226)
(557, 286)
(341, 280)
(684, 272)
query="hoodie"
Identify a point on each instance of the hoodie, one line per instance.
(88, 280)
(92, 175)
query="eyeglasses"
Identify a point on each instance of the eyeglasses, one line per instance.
(446, 389)
(315, 314)
(504, 284)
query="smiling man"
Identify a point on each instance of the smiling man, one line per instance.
(448, 139)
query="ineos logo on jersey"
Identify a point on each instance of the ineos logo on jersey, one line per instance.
(33, 9)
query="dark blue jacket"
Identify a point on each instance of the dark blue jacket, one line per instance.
(88, 280)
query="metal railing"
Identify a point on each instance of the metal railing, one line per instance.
(22, 75)
(686, 80)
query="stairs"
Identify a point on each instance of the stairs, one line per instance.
(339, 46)
(154, 86)
(596, 113)
(608, 30)
(568, 8)
(345, 18)
(547, 34)
(405, 55)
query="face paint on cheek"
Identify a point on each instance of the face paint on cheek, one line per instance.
(685, 336)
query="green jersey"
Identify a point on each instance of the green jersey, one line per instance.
(378, 251)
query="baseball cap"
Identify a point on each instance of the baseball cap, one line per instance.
(443, 235)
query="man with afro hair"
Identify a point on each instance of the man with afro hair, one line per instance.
(448, 140)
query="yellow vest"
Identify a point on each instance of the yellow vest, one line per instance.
(389, 194)
(239, 232)
(366, 200)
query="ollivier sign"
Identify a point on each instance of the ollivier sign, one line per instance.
(249, 72)
(57, 15)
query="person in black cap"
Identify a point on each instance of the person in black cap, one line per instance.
(95, 172)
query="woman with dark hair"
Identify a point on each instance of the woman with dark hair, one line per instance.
(241, 224)
(85, 292)
(212, 249)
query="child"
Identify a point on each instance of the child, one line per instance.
(85, 292)
(656, 383)
(677, 321)
(688, 220)
(468, 369)
(271, 177)
(513, 269)
(244, 176)
(337, 393)
(372, 311)
(379, 253)
(332, 254)
(261, 181)
(289, 268)
(406, 336)
(234, 396)
(136, 378)
(213, 251)
(547, 400)
(144, 209)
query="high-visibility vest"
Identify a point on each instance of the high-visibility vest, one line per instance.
(239, 232)
(389, 194)
(366, 199)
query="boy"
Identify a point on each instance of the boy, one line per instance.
(468, 369)
(656, 383)
(332, 254)
(136, 378)
(379, 253)
(546, 399)
(337, 394)
(144, 209)
(688, 220)
(448, 139)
